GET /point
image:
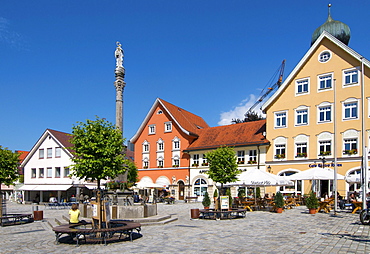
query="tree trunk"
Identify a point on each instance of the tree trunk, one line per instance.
(1, 205)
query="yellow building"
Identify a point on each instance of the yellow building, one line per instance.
(318, 109)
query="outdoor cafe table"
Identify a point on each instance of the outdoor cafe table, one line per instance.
(325, 205)
(247, 204)
(358, 206)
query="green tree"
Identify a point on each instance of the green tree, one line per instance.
(132, 173)
(9, 163)
(222, 165)
(98, 147)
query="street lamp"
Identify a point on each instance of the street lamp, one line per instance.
(269, 169)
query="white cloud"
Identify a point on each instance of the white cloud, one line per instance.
(239, 111)
(7, 35)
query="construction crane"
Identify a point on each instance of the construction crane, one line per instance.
(269, 89)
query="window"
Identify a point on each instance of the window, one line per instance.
(49, 172)
(296, 188)
(33, 173)
(176, 162)
(252, 157)
(301, 150)
(324, 57)
(200, 187)
(280, 119)
(152, 129)
(49, 153)
(302, 116)
(280, 151)
(160, 163)
(350, 110)
(176, 144)
(41, 173)
(325, 114)
(57, 172)
(66, 172)
(41, 154)
(145, 146)
(58, 152)
(325, 147)
(350, 146)
(204, 160)
(146, 164)
(325, 81)
(195, 160)
(240, 155)
(160, 145)
(167, 127)
(302, 86)
(350, 77)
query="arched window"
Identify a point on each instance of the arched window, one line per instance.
(200, 187)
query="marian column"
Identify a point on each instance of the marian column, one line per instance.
(120, 85)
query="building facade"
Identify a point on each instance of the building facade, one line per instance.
(317, 113)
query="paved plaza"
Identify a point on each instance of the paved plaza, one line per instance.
(293, 231)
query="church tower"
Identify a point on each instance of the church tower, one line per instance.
(120, 85)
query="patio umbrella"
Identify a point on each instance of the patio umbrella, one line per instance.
(316, 173)
(256, 177)
(355, 178)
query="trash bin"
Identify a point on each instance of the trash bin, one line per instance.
(194, 213)
(38, 215)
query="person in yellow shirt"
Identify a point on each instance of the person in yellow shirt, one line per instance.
(74, 214)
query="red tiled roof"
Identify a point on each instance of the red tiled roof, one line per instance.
(241, 134)
(187, 120)
(22, 155)
(63, 138)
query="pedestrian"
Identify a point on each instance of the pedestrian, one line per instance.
(73, 199)
(74, 214)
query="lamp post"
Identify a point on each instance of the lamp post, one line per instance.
(269, 169)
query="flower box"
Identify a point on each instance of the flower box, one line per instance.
(301, 155)
(350, 152)
(280, 156)
(195, 165)
(205, 164)
(252, 162)
(325, 153)
(240, 162)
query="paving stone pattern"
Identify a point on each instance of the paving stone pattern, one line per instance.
(293, 231)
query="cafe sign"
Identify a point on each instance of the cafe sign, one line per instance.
(320, 165)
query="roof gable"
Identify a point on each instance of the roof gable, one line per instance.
(241, 134)
(188, 123)
(61, 138)
(307, 57)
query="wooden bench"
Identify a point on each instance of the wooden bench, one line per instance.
(188, 199)
(81, 230)
(15, 218)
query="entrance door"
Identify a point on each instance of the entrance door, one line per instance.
(324, 188)
(181, 190)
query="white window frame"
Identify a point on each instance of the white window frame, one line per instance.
(146, 147)
(176, 161)
(252, 155)
(281, 116)
(204, 160)
(49, 172)
(41, 173)
(325, 77)
(325, 144)
(66, 172)
(301, 83)
(49, 153)
(301, 148)
(160, 145)
(323, 109)
(195, 159)
(151, 129)
(351, 73)
(350, 144)
(33, 173)
(350, 105)
(160, 162)
(176, 144)
(240, 156)
(301, 112)
(168, 127)
(324, 56)
(58, 152)
(41, 153)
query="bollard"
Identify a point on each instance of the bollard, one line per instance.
(194, 213)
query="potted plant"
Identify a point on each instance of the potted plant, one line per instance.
(279, 202)
(312, 203)
(215, 196)
(206, 201)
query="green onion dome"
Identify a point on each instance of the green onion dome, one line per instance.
(336, 28)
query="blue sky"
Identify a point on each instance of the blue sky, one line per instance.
(211, 58)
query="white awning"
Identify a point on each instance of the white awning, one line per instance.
(46, 187)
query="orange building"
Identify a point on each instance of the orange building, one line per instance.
(166, 131)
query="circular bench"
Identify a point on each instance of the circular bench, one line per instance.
(222, 214)
(82, 230)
